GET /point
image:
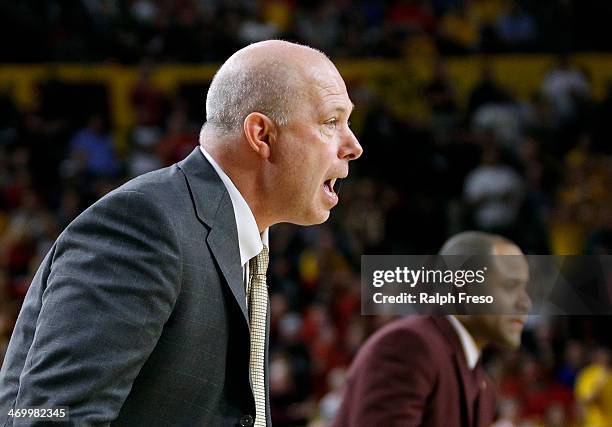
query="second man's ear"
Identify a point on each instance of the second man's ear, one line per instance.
(259, 131)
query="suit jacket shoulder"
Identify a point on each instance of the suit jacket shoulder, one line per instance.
(409, 373)
(132, 317)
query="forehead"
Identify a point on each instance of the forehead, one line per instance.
(327, 89)
(510, 262)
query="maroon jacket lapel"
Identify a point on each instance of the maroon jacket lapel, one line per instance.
(486, 400)
(468, 379)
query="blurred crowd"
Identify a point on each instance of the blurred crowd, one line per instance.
(537, 170)
(210, 30)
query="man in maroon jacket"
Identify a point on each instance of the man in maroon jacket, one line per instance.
(425, 370)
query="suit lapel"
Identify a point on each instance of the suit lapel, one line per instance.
(467, 384)
(214, 209)
(223, 244)
(469, 392)
(485, 402)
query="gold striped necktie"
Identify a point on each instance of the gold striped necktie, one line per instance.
(257, 293)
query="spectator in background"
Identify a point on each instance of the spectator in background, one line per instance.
(255, 28)
(535, 389)
(487, 90)
(179, 137)
(508, 413)
(540, 174)
(442, 100)
(330, 403)
(286, 410)
(458, 31)
(556, 416)
(494, 193)
(92, 151)
(594, 391)
(148, 101)
(143, 157)
(366, 215)
(516, 28)
(492, 110)
(486, 13)
(319, 26)
(412, 16)
(565, 85)
(583, 203)
(500, 119)
(150, 104)
(573, 357)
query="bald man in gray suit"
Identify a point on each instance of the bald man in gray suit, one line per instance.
(138, 315)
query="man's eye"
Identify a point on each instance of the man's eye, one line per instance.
(513, 284)
(332, 123)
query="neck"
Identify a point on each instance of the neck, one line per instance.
(235, 161)
(480, 341)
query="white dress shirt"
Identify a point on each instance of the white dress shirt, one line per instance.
(250, 241)
(470, 350)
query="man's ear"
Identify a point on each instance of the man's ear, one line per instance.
(260, 131)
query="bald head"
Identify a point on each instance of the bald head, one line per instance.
(268, 77)
(473, 243)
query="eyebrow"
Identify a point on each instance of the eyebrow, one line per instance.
(343, 110)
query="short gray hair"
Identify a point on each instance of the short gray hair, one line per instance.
(267, 87)
(267, 81)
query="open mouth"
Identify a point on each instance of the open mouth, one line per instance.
(328, 185)
(331, 187)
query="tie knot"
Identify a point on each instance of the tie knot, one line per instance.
(259, 263)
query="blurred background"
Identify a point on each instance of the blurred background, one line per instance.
(474, 114)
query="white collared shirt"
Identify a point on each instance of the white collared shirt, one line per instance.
(250, 241)
(470, 350)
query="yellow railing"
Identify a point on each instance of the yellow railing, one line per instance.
(400, 82)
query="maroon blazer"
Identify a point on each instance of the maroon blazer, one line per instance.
(413, 372)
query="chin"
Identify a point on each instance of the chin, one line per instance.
(312, 218)
(320, 219)
(316, 216)
(511, 342)
(324, 217)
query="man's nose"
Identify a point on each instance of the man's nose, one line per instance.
(350, 148)
(524, 303)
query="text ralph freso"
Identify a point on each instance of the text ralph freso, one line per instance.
(405, 276)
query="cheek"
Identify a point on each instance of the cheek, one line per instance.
(326, 155)
(496, 328)
(504, 301)
(510, 333)
(317, 160)
(306, 158)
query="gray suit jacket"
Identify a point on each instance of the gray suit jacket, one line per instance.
(137, 315)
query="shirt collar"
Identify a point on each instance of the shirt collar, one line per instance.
(470, 350)
(250, 241)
